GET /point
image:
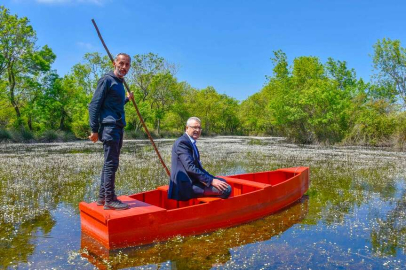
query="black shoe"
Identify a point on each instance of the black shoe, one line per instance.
(100, 201)
(116, 205)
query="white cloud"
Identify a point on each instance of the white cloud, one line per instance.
(86, 45)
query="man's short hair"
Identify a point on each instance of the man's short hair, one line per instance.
(129, 57)
(191, 119)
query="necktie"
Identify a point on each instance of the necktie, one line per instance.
(196, 152)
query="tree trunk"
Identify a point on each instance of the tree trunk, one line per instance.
(29, 122)
(62, 122)
(12, 82)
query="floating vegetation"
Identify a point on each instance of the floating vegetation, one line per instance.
(353, 216)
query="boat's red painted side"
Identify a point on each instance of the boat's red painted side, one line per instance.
(153, 217)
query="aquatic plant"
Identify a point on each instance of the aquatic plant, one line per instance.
(355, 192)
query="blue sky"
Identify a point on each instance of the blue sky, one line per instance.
(225, 44)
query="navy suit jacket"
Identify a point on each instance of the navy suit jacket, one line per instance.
(186, 171)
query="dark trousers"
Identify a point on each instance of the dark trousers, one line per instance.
(201, 190)
(112, 138)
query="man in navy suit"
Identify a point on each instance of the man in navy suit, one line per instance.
(188, 178)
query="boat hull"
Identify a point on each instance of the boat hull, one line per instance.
(152, 217)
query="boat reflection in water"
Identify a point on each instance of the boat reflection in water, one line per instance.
(202, 251)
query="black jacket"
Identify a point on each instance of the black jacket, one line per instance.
(107, 105)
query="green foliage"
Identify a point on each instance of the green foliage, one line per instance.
(5, 135)
(81, 128)
(135, 134)
(390, 62)
(217, 112)
(49, 136)
(21, 64)
(254, 114)
(156, 91)
(399, 136)
(56, 136)
(22, 135)
(308, 102)
(312, 104)
(375, 124)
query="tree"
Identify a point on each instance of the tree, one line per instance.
(338, 71)
(228, 122)
(218, 113)
(73, 92)
(144, 68)
(254, 114)
(280, 62)
(21, 63)
(390, 63)
(310, 103)
(152, 79)
(163, 95)
(175, 118)
(205, 104)
(52, 106)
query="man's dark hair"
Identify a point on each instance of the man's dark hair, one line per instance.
(129, 57)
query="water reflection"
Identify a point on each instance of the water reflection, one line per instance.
(201, 252)
(355, 215)
(389, 233)
(17, 240)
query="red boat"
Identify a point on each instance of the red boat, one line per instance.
(153, 217)
(206, 252)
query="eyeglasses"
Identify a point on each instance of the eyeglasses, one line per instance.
(195, 128)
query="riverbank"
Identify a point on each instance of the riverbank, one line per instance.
(27, 137)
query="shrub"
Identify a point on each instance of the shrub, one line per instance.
(22, 135)
(27, 135)
(81, 129)
(170, 134)
(399, 136)
(135, 134)
(373, 127)
(66, 136)
(5, 135)
(49, 136)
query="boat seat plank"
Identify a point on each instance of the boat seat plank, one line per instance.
(163, 188)
(208, 199)
(203, 199)
(245, 182)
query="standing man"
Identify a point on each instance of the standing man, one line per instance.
(107, 122)
(188, 178)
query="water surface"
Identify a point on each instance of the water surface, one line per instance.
(352, 217)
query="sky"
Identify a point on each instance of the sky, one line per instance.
(226, 44)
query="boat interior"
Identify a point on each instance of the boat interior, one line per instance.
(241, 184)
